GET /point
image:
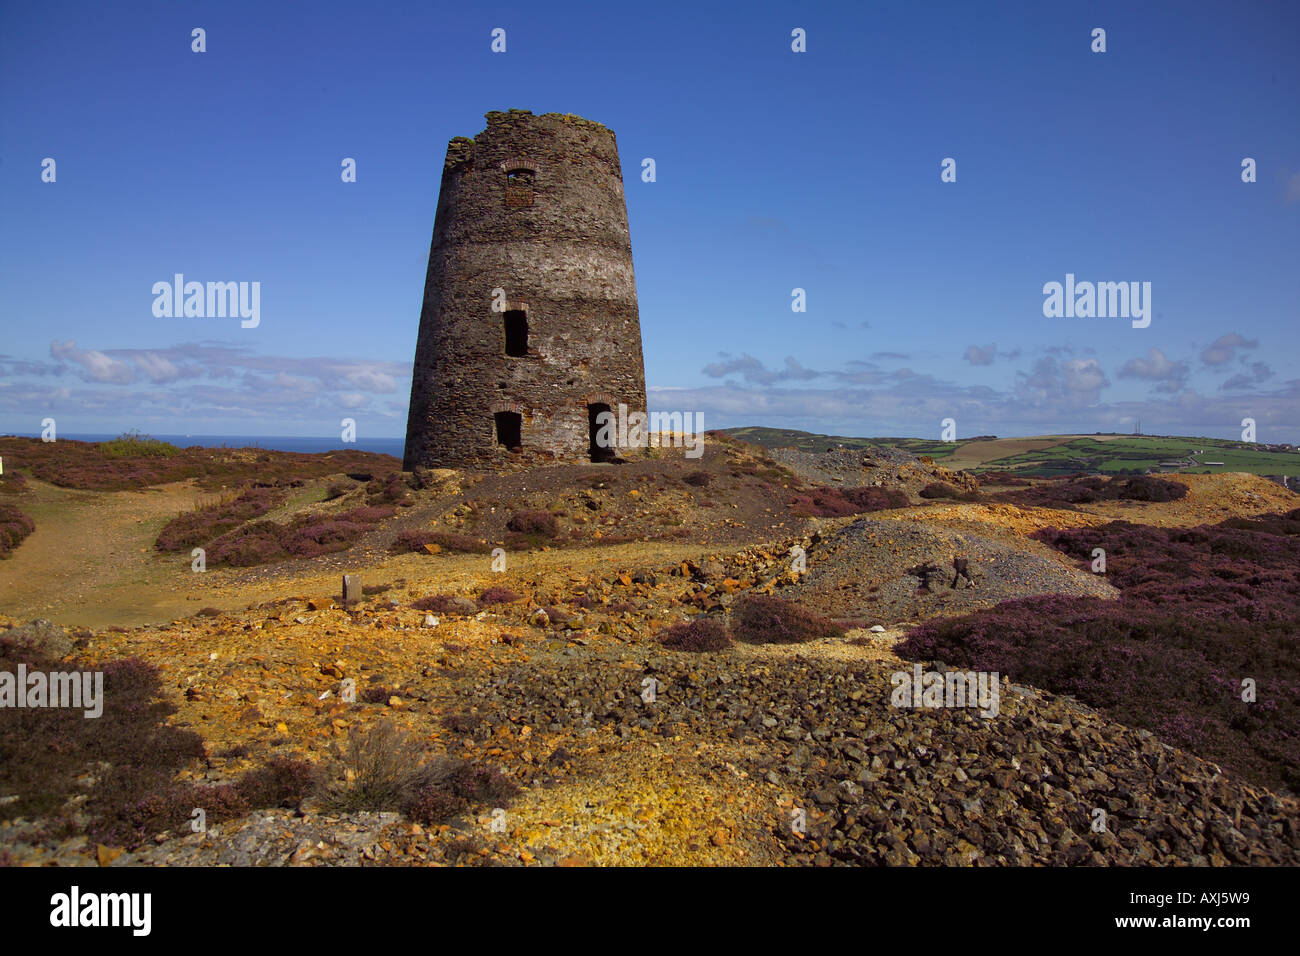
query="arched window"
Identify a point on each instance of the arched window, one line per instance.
(519, 188)
(521, 176)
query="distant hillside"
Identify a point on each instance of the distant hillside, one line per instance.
(1047, 455)
(810, 441)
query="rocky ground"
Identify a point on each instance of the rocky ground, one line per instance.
(880, 466)
(627, 753)
(883, 571)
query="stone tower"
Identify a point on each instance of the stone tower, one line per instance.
(530, 326)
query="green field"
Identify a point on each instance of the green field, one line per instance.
(1103, 454)
(1135, 454)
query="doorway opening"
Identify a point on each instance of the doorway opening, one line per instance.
(597, 450)
(509, 429)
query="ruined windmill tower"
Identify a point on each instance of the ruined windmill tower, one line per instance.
(530, 326)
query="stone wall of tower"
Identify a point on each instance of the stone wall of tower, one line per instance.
(554, 240)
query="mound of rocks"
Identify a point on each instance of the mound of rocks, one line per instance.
(876, 466)
(1045, 780)
(892, 570)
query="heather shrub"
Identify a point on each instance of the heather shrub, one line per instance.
(1146, 488)
(13, 483)
(409, 541)
(437, 603)
(44, 751)
(875, 498)
(306, 536)
(461, 722)
(431, 805)
(390, 489)
(136, 462)
(283, 782)
(764, 619)
(132, 754)
(14, 527)
(334, 491)
(155, 810)
(700, 634)
(454, 786)
(940, 489)
(826, 502)
(416, 540)
(205, 523)
(1085, 489)
(539, 523)
(257, 542)
(697, 479)
(378, 694)
(475, 783)
(311, 538)
(1199, 610)
(497, 595)
(369, 514)
(1283, 524)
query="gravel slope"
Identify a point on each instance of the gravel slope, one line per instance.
(864, 571)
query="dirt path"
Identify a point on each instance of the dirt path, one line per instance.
(91, 563)
(91, 560)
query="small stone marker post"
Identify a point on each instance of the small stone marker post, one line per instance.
(351, 589)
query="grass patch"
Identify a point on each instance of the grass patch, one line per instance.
(135, 444)
(389, 770)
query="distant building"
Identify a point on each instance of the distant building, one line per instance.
(530, 328)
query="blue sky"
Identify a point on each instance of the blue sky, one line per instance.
(775, 170)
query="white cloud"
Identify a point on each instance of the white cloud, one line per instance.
(1155, 366)
(156, 368)
(95, 365)
(1224, 348)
